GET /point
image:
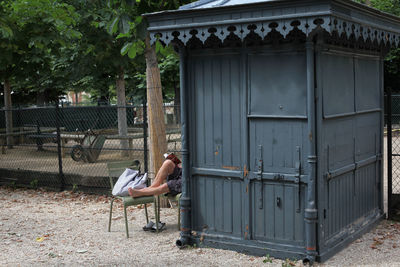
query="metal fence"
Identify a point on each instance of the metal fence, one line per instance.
(68, 147)
(393, 148)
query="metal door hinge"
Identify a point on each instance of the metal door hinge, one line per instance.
(259, 177)
(297, 178)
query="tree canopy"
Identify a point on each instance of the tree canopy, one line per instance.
(49, 47)
(33, 37)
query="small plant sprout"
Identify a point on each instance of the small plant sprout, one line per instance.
(34, 183)
(267, 259)
(74, 187)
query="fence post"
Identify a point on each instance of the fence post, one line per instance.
(20, 125)
(389, 148)
(59, 152)
(8, 114)
(145, 149)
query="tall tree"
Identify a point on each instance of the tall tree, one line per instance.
(31, 34)
(129, 14)
(137, 42)
(101, 67)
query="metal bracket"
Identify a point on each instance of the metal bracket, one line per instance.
(259, 177)
(297, 178)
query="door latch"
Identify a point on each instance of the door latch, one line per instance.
(259, 177)
(297, 178)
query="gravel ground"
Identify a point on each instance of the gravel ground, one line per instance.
(44, 228)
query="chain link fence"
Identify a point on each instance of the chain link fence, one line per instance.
(393, 134)
(396, 144)
(68, 147)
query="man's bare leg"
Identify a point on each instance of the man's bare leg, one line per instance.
(149, 191)
(166, 169)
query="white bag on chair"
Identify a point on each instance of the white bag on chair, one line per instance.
(129, 178)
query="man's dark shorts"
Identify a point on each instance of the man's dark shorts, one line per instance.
(174, 181)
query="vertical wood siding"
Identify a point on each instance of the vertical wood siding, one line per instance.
(281, 223)
(218, 205)
(350, 142)
(217, 111)
(217, 134)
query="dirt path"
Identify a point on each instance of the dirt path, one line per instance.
(46, 228)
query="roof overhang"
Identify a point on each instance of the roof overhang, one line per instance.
(341, 16)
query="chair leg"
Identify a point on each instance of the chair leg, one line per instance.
(158, 206)
(126, 222)
(109, 222)
(156, 213)
(147, 214)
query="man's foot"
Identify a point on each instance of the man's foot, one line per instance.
(132, 192)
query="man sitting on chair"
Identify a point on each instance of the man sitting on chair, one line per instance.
(171, 172)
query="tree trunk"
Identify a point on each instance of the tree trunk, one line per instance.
(158, 142)
(8, 112)
(40, 99)
(121, 106)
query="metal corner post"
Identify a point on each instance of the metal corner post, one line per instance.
(310, 214)
(185, 200)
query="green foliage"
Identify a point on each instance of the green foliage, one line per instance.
(389, 6)
(38, 32)
(129, 26)
(13, 185)
(34, 183)
(169, 70)
(6, 31)
(267, 259)
(392, 70)
(50, 47)
(75, 188)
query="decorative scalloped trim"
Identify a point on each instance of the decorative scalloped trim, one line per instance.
(284, 27)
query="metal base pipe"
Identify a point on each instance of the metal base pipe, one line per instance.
(310, 213)
(186, 238)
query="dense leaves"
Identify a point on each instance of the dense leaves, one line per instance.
(390, 6)
(51, 47)
(132, 29)
(32, 40)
